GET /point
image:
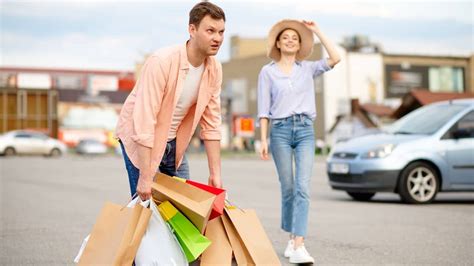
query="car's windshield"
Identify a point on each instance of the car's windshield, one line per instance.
(426, 120)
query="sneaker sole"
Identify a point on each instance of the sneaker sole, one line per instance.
(301, 261)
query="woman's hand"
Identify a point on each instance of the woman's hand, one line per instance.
(311, 25)
(264, 150)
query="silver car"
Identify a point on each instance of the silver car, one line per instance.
(91, 147)
(429, 150)
(30, 142)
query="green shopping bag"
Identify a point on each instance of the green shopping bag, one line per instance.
(189, 237)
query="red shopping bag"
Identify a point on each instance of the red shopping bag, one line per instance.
(218, 205)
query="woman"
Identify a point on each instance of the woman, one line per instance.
(286, 99)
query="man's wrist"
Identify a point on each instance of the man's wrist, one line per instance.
(146, 175)
(214, 177)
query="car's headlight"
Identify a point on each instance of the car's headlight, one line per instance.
(379, 152)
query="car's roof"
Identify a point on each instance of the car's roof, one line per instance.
(90, 140)
(23, 131)
(467, 102)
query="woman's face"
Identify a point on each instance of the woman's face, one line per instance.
(289, 42)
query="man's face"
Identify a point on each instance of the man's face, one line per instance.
(209, 35)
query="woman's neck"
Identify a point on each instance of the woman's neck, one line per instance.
(287, 60)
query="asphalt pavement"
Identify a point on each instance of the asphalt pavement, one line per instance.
(48, 205)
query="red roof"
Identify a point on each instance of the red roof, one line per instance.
(377, 109)
(418, 98)
(425, 97)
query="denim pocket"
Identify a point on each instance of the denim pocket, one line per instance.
(278, 122)
(307, 121)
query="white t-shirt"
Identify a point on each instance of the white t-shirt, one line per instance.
(188, 97)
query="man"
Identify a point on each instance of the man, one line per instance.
(179, 87)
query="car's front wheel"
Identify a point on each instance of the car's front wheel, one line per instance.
(361, 196)
(9, 151)
(55, 152)
(418, 183)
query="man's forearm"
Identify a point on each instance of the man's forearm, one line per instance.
(213, 150)
(144, 158)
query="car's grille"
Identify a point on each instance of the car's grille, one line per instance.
(344, 155)
(346, 178)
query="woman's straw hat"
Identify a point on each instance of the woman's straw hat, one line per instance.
(306, 35)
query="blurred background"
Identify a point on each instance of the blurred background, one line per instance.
(66, 67)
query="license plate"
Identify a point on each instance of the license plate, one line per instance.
(339, 168)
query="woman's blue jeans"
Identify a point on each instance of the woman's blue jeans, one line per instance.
(293, 138)
(167, 165)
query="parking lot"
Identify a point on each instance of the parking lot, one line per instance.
(50, 204)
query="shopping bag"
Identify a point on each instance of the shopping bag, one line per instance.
(218, 205)
(159, 246)
(194, 203)
(241, 254)
(248, 239)
(116, 235)
(189, 237)
(220, 251)
(81, 250)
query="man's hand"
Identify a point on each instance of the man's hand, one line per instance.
(215, 181)
(264, 150)
(144, 187)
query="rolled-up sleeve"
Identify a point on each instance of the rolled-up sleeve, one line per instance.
(211, 118)
(319, 67)
(264, 94)
(149, 94)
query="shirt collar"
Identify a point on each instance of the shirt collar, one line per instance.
(299, 63)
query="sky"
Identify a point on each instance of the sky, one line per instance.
(115, 35)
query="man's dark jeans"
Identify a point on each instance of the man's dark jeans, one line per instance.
(167, 165)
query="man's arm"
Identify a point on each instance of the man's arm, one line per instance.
(213, 151)
(211, 135)
(211, 132)
(150, 89)
(145, 178)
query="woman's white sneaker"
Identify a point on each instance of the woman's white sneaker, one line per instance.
(301, 255)
(289, 248)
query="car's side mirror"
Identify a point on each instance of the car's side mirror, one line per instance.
(461, 133)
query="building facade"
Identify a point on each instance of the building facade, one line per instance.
(369, 75)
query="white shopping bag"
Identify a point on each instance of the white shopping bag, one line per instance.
(159, 246)
(83, 246)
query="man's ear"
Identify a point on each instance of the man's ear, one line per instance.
(192, 30)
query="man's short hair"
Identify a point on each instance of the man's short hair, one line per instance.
(200, 10)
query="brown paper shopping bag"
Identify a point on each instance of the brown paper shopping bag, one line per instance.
(241, 254)
(193, 202)
(248, 239)
(116, 235)
(220, 251)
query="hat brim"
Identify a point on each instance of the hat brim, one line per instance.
(306, 35)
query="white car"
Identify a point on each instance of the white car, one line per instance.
(91, 146)
(30, 142)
